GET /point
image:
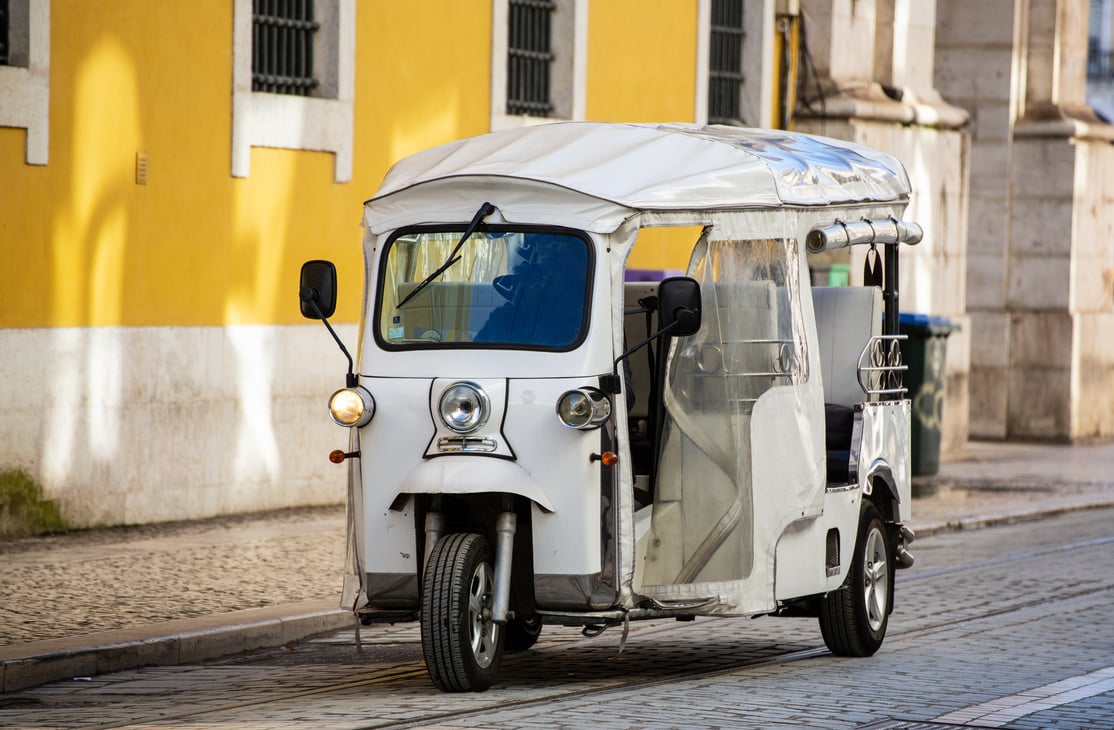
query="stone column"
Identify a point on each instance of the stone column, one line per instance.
(1060, 261)
(974, 62)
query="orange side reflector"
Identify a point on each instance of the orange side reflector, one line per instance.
(337, 456)
(609, 458)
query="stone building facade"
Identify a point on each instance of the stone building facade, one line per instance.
(1040, 260)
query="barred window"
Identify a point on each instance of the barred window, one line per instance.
(725, 63)
(529, 57)
(1100, 54)
(4, 42)
(282, 47)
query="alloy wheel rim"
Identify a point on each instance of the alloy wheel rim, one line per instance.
(876, 579)
(481, 629)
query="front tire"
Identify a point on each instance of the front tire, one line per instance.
(853, 619)
(462, 646)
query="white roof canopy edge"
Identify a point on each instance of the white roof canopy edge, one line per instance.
(599, 174)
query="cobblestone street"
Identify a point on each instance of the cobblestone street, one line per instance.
(981, 626)
(101, 580)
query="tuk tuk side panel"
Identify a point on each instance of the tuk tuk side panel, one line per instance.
(354, 589)
(884, 461)
(800, 567)
(788, 474)
(391, 445)
(566, 539)
(885, 454)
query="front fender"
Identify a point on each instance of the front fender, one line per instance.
(474, 475)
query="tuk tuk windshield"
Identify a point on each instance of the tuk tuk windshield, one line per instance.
(503, 288)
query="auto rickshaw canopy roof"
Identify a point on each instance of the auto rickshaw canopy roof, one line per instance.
(646, 167)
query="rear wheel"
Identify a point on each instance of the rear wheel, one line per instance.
(522, 633)
(853, 619)
(461, 644)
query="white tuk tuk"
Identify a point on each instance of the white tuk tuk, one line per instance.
(536, 440)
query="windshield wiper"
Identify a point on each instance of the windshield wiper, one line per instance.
(485, 210)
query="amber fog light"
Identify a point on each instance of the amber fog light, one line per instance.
(351, 407)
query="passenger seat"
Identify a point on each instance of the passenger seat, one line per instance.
(846, 318)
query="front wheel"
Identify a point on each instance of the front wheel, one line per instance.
(853, 619)
(461, 644)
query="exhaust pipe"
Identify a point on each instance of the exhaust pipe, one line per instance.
(905, 536)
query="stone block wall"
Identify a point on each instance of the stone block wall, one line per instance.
(1061, 288)
(1092, 292)
(974, 58)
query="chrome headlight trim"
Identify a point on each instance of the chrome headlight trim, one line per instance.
(583, 408)
(464, 407)
(351, 407)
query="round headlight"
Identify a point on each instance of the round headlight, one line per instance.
(351, 407)
(464, 407)
(583, 408)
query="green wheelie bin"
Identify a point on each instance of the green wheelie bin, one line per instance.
(925, 353)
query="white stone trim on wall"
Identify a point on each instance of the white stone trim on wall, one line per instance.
(132, 425)
(322, 123)
(703, 63)
(570, 69)
(25, 85)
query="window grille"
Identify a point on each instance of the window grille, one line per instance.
(282, 47)
(4, 37)
(1100, 63)
(529, 57)
(725, 63)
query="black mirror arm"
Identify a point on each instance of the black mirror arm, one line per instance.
(309, 296)
(656, 336)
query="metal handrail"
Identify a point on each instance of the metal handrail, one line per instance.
(881, 365)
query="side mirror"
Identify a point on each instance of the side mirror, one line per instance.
(318, 289)
(679, 306)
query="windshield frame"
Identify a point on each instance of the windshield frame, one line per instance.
(484, 228)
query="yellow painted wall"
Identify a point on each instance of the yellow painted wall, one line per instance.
(642, 60)
(642, 68)
(81, 244)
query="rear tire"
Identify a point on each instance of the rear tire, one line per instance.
(522, 633)
(853, 619)
(462, 646)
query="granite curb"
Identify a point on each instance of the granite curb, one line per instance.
(170, 643)
(991, 519)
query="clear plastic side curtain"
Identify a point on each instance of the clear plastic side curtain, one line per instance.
(749, 342)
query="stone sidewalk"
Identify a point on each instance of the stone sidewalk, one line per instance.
(93, 602)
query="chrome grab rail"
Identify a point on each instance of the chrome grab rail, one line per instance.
(881, 365)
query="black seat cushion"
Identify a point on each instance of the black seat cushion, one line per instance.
(839, 423)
